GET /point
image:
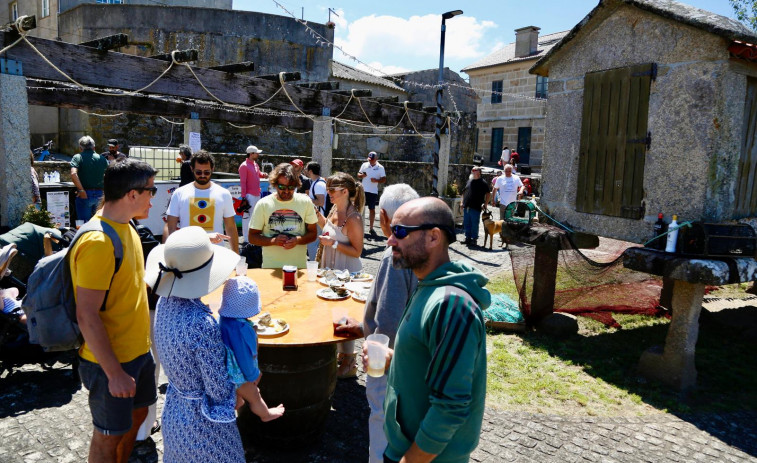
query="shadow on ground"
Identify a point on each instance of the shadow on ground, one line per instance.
(724, 403)
(344, 440)
(28, 390)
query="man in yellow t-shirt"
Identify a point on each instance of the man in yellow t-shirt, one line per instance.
(283, 223)
(116, 364)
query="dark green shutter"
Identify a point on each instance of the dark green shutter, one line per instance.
(746, 190)
(614, 141)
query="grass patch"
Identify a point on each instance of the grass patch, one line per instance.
(593, 373)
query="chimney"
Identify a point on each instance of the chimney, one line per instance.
(526, 41)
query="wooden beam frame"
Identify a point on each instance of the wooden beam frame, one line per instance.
(329, 86)
(288, 77)
(357, 92)
(71, 96)
(108, 42)
(233, 68)
(181, 56)
(85, 65)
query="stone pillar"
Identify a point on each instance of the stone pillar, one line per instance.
(674, 364)
(15, 176)
(321, 150)
(444, 163)
(191, 125)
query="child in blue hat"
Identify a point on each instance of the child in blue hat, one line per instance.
(239, 302)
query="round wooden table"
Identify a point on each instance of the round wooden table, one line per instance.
(299, 367)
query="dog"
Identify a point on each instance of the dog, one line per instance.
(491, 228)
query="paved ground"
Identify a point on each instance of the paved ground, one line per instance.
(44, 418)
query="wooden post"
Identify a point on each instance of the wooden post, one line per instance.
(15, 176)
(321, 150)
(545, 276)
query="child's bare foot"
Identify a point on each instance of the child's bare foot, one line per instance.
(273, 413)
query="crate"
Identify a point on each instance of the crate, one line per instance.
(718, 240)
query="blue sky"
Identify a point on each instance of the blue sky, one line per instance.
(401, 35)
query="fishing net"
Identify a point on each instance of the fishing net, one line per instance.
(590, 282)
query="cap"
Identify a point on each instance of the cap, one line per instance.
(372, 155)
(253, 149)
(240, 298)
(112, 142)
(476, 168)
(298, 163)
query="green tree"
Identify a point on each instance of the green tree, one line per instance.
(746, 11)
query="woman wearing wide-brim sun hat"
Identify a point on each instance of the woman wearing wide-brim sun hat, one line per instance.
(199, 421)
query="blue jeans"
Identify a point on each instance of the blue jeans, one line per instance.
(471, 218)
(86, 208)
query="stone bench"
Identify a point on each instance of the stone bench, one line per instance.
(684, 281)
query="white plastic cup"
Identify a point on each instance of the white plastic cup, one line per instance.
(312, 268)
(338, 316)
(79, 223)
(241, 267)
(377, 345)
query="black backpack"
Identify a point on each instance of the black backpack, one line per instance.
(327, 204)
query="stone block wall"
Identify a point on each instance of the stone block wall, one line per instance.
(511, 113)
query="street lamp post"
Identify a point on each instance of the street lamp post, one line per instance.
(439, 121)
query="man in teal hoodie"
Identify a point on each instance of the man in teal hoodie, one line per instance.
(436, 388)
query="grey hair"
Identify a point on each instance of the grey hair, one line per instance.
(395, 196)
(86, 142)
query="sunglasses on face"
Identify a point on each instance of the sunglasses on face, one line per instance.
(152, 189)
(286, 187)
(401, 231)
(203, 173)
(334, 189)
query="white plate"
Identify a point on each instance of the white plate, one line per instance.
(359, 286)
(329, 295)
(360, 276)
(269, 331)
(359, 297)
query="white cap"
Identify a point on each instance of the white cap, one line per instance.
(253, 149)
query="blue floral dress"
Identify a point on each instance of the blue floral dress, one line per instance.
(199, 422)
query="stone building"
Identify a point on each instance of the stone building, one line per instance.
(652, 108)
(351, 78)
(511, 102)
(221, 35)
(421, 85)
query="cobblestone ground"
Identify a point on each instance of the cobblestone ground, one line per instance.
(44, 417)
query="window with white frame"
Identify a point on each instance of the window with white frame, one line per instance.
(14, 11)
(45, 8)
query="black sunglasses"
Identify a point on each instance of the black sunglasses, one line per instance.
(401, 231)
(286, 187)
(152, 189)
(203, 173)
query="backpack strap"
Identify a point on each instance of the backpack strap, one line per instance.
(118, 248)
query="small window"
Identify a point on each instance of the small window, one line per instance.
(497, 91)
(45, 8)
(14, 11)
(541, 86)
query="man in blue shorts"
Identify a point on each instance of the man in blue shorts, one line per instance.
(111, 307)
(371, 173)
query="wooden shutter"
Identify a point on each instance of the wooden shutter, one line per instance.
(746, 189)
(614, 141)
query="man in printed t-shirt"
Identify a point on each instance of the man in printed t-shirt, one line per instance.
(205, 204)
(283, 223)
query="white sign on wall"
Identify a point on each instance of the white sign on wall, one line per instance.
(194, 141)
(57, 205)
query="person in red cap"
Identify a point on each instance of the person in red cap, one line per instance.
(304, 180)
(371, 173)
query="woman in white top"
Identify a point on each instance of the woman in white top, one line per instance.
(342, 241)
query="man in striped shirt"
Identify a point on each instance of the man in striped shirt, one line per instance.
(436, 387)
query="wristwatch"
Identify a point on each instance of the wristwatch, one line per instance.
(336, 243)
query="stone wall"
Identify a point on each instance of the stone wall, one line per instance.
(274, 43)
(695, 117)
(512, 113)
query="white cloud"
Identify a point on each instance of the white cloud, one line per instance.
(395, 39)
(384, 69)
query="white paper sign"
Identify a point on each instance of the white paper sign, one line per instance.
(194, 141)
(57, 205)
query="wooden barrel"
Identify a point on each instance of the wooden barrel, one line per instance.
(303, 379)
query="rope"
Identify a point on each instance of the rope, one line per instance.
(684, 224)
(242, 126)
(101, 115)
(281, 81)
(352, 96)
(297, 133)
(366, 115)
(170, 121)
(552, 218)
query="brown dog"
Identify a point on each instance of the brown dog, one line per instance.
(491, 228)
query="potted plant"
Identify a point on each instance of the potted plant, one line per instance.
(451, 196)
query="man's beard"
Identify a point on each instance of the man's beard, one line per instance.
(410, 259)
(202, 181)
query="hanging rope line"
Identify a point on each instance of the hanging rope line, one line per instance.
(101, 115)
(171, 122)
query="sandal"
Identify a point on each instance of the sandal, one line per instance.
(346, 366)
